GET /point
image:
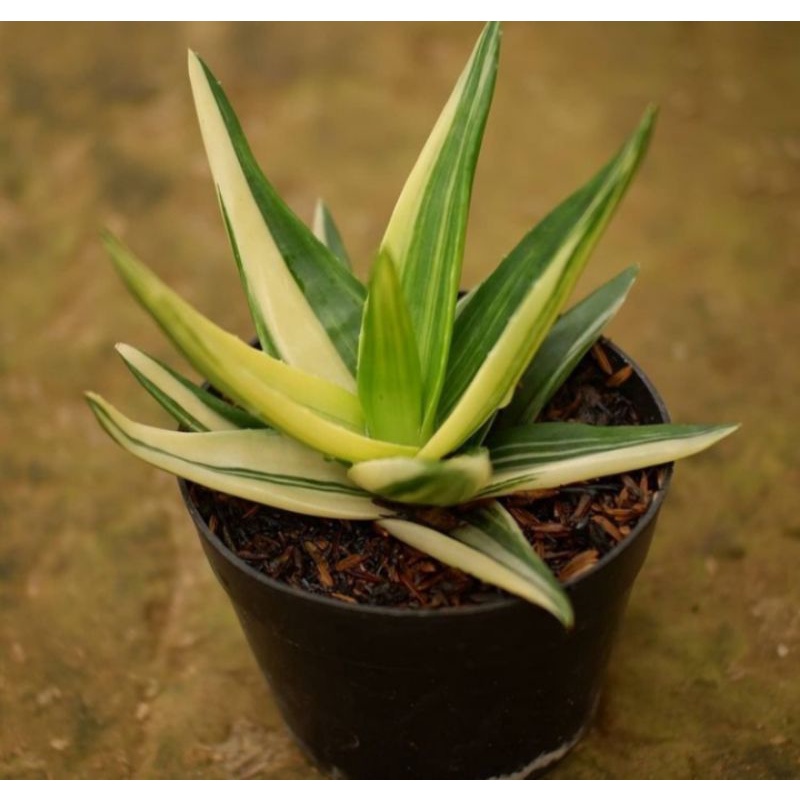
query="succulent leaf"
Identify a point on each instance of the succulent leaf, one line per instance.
(426, 233)
(389, 379)
(493, 531)
(259, 465)
(565, 345)
(550, 454)
(505, 320)
(219, 355)
(432, 483)
(312, 410)
(489, 554)
(325, 230)
(305, 303)
(191, 406)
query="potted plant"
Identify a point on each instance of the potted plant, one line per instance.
(397, 422)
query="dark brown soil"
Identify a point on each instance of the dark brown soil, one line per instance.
(571, 528)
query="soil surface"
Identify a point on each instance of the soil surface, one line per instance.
(358, 562)
(119, 654)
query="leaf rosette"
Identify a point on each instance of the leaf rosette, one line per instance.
(394, 390)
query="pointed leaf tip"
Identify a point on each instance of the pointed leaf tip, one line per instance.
(305, 303)
(312, 410)
(507, 318)
(568, 341)
(426, 233)
(326, 230)
(550, 454)
(259, 465)
(490, 549)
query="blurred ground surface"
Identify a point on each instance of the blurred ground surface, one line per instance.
(119, 656)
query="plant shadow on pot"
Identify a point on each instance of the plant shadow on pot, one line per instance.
(494, 690)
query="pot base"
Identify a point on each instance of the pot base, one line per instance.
(538, 766)
(543, 761)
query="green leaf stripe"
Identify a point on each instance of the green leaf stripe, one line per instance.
(500, 328)
(493, 531)
(427, 231)
(257, 313)
(314, 411)
(305, 302)
(191, 406)
(223, 359)
(433, 483)
(568, 341)
(259, 465)
(485, 558)
(550, 454)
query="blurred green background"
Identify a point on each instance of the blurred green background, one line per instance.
(119, 656)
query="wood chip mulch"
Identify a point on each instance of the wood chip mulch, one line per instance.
(571, 528)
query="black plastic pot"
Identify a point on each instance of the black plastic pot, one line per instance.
(491, 691)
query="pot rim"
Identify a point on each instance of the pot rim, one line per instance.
(490, 606)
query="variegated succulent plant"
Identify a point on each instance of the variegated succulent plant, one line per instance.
(391, 390)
